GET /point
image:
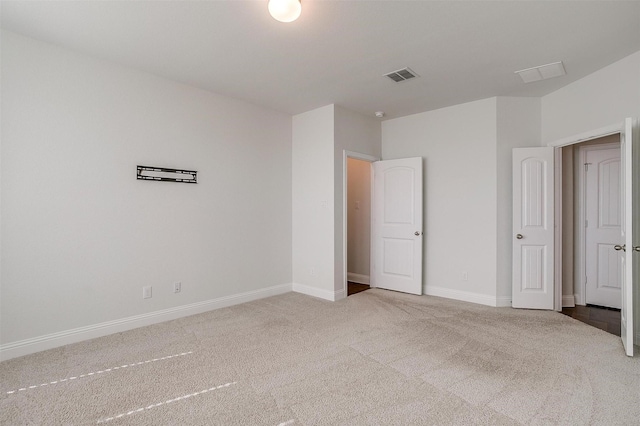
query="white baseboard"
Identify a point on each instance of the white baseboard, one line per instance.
(568, 301)
(339, 295)
(318, 292)
(358, 278)
(503, 302)
(54, 340)
(467, 296)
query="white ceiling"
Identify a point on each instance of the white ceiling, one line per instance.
(338, 51)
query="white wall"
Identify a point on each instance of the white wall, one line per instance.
(355, 133)
(319, 140)
(600, 99)
(359, 220)
(313, 202)
(458, 145)
(518, 125)
(81, 236)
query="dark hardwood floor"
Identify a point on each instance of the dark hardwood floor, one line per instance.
(353, 288)
(607, 319)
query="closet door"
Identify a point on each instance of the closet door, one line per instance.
(397, 225)
(533, 228)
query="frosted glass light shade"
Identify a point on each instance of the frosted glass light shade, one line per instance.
(285, 10)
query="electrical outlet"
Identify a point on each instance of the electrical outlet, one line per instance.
(312, 272)
(177, 287)
(146, 292)
(465, 276)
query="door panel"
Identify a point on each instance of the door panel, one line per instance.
(533, 228)
(398, 257)
(533, 195)
(398, 196)
(608, 271)
(533, 273)
(397, 218)
(602, 231)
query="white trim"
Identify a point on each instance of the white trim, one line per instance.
(372, 234)
(587, 136)
(636, 191)
(467, 296)
(569, 301)
(558, 249)
(580, 268)
(332, 296)
(359, 156)
(358, 278)
(503, 302)
(628, 144)
(61, 338)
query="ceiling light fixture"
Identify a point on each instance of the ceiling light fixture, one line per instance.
(285, 10)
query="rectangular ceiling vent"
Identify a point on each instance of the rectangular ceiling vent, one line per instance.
(401, 75)
(542, 72)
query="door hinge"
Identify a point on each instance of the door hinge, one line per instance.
(586, 223)
(586, 167)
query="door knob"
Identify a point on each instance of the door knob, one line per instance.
(637, 248)
(519, 236)
(417, 233)
(619, 247)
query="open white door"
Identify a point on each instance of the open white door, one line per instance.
(533, 228)
(397, 225)
(627, 249)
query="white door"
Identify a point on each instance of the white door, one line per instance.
(533, 228)
(603, 226)
(626, 248)
(397, 225)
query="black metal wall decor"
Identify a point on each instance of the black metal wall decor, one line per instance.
(167, 175)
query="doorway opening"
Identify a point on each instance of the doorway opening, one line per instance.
(392, 221)
(538, 226)
(353, 250)
(357, 221)
(591, 220)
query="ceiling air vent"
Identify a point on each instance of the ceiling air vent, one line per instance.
(401, 75)
(542, 72)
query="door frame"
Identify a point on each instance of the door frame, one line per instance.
(580, 290)
(618, 128)
(358, 156)
(558, 145)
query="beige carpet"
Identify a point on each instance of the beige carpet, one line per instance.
(375, 358)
